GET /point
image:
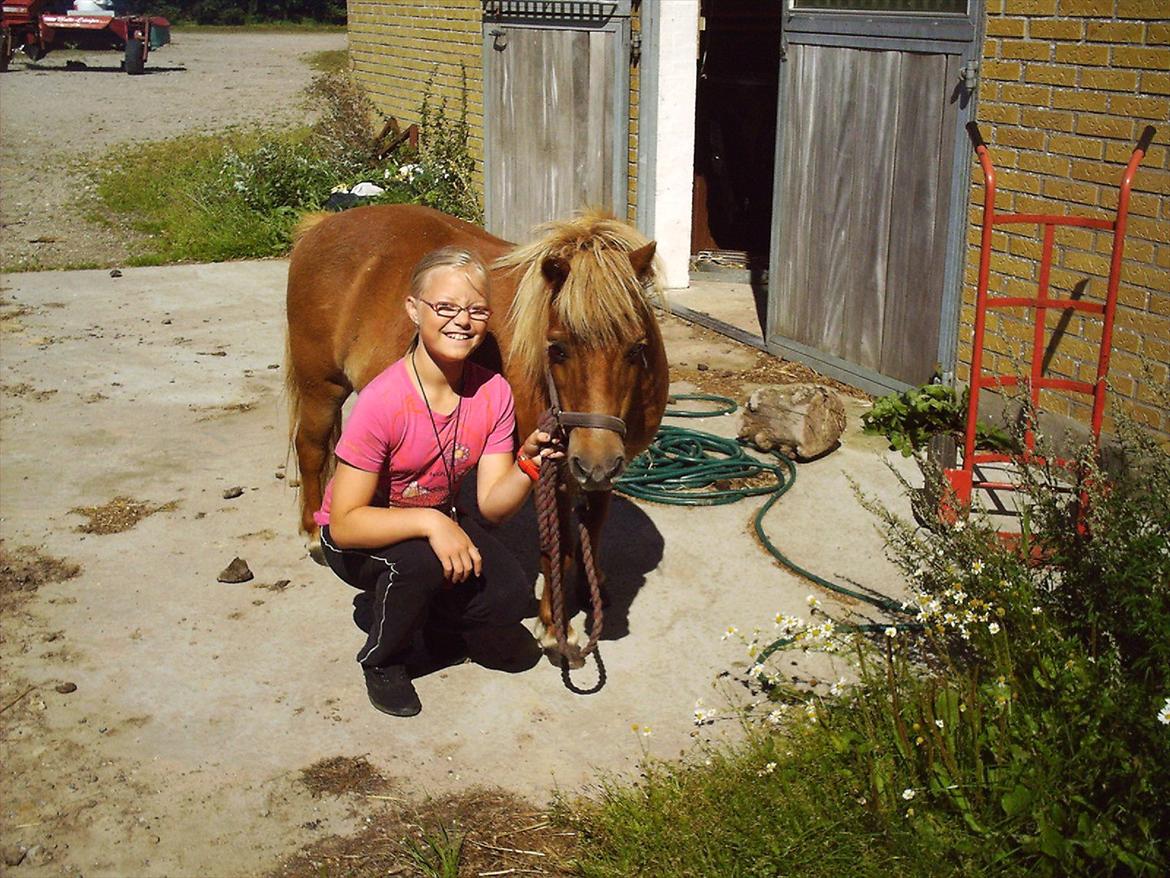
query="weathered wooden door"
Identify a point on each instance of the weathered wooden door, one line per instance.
(870, 185)
(556, 96)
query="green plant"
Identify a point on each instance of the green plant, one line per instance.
(910, 418)
(437, 855)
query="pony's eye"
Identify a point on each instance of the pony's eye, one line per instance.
(557, 352)
(637, 352)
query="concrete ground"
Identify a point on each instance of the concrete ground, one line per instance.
(198, 702)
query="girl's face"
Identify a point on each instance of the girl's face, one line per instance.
(451, 314)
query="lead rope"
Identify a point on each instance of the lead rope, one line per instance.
(548, 524)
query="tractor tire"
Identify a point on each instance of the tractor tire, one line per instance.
(134, 63)
(5, 50)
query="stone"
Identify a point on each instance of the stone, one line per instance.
(237, 571)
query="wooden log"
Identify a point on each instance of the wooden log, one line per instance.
(805, 420)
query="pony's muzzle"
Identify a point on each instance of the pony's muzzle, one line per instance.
(596, 476)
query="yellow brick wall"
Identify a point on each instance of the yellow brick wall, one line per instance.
(397, 47)
(1067, 87)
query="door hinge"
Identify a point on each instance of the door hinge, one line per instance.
(969, 75)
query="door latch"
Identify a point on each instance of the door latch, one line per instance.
(499, 39)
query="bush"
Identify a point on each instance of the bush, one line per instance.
(1015, 720)
(238, 195)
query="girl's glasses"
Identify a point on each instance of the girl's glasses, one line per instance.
(449, 310)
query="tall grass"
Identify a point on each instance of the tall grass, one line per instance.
(238, 194)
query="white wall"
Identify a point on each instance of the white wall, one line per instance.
(674, 149)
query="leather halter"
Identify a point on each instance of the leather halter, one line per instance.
(567, 420)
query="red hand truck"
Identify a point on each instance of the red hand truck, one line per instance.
(963, 479)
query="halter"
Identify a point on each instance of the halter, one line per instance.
(565, 421)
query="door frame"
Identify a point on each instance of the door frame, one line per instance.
(607, 17)
(954, 35)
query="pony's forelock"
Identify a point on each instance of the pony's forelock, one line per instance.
(602, 301)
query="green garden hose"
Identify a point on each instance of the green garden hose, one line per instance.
(684, 467)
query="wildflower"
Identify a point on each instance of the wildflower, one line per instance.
(1036, 611)
(861, 800)
(908, 793)
(731, 631)
(835, 689)
(768, 769)
(810, 711)
(993, 627)
(812, 601)
(646, 733)
(775, 716)
(939, 723)
(1164, 713)
(891, 631)
(909, 812)
(977, 567)
(920, 740)
(704, 715)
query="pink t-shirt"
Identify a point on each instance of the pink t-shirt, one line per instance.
(390, 433)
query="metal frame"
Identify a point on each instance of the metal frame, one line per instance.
(943, 34)
(526, 15)
(962, 480)
(647, 182)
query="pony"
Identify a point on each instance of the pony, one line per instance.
(572, 317)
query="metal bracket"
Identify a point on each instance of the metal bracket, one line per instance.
(499, 39)
(969, 75)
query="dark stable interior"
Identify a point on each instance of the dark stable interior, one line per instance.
(735, 126)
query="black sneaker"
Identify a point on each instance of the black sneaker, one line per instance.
(391, 691)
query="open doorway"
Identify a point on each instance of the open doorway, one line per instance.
(735, 134)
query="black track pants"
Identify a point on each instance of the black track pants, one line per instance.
(403, 589)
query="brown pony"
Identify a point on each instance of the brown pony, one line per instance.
(574, 304)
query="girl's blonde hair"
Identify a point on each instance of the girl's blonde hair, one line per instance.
(450, 257)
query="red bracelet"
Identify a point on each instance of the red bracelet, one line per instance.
(528, 466)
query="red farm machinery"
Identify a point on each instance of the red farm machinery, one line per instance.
(37, 27)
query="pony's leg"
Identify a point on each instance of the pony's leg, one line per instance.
(318, 423)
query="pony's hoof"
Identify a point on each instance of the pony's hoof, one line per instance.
(548, 639)
(316, 552)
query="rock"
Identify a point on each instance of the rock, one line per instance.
(237, 571)
(14, 854)
(278, 474)
(233, 493)
(115, 273)
(66, 688)
(702, 367)
(36, 855)
(294, 483)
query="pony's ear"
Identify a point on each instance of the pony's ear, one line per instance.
(643, 259)
(555, 271)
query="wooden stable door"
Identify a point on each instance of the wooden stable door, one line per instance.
(555, 119)
(869, 205)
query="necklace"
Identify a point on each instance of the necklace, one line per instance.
(449, 470)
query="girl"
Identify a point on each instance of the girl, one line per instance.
(389, 522)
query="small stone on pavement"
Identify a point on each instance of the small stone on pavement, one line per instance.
(237, 571)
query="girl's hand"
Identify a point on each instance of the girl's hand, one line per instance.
(454, 549)
(540, 446)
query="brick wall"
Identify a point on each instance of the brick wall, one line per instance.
(399, 46)
(1067, 87)
(402, 48)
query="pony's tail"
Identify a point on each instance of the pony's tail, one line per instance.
(306, 224)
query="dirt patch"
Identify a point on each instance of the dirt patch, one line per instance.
(494, 832)
(25, 570)
(119, 515)
(340, 775)
(738, 384)
(23, 390)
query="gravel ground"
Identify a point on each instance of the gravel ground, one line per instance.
(74, 106)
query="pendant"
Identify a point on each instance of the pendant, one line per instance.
(454, 515)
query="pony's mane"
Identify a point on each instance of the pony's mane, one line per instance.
(602, 302)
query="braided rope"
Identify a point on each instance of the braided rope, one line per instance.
(548, 524)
